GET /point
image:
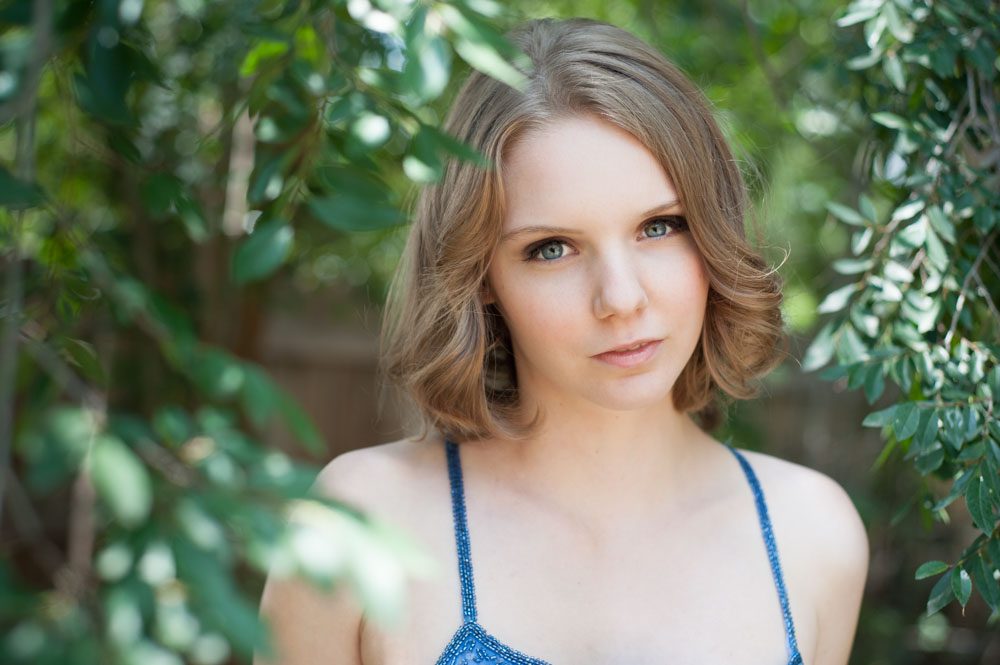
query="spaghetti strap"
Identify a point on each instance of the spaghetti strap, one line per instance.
(461, 532)
(772, 554)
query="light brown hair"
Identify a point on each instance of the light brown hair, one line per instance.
(450, 353)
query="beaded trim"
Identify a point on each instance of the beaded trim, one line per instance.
(461, 533)
(472, 644)
(772, 554)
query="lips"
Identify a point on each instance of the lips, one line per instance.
(631, 346)
(634, 355)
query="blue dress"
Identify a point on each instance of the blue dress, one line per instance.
(473, 644)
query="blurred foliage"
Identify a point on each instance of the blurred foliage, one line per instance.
(171, 169)
(170, 159)
(918, 309)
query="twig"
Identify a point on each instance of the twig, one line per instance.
(51, 362)
(73, 576)
(29, 525)
(22, 109)
(965, 285)
(989, 103)
(985, 293)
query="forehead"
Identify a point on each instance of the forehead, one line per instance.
(581, 166)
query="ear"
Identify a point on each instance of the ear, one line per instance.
(486, 293)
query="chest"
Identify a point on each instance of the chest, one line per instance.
(678, 590)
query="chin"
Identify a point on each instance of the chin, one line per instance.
(630, 394)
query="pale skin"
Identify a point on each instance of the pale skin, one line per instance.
(621, 532)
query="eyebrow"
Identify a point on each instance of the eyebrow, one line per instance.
(536, 228)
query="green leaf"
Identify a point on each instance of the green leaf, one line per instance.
(423, 163)
(874, 383)
(18, 195)
(927, 429)
(192, 217)
(930, 460)
(936, 251)
(216, 372)
(450, 144)
(428, 67)
(121, 480)
(102, 91)
(898, 273)
(890, 120)
(930, 569)
(263, 251)
(971, 417)
(867, 208)
(880, 418)
(856, 14)
(905, 420)
(173, 425)
(262, 52)
(941, 223)
(483, 48)
(860, 240)
(300, 423)
(353, 181)
(218, 603)
(160, 191)
(837, 300)
(820, 349)
(347, 213)
(84, 356)
(849, 266)
(845, 214)
(893, 69)
(982, 575)
(941, 595)
(259, 395)
(900, 30)
(267, 179)
(957, 489)
(961, 585)
(953, 430)
(915, 234)
(977, 498)
(850, 347)
(908, 210)
(865, 60)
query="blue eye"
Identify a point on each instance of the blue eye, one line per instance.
(542, 250)
(675, 222)
(657, 224)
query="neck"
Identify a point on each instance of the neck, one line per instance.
(598, 464)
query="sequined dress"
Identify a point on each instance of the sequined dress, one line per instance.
(473, 644)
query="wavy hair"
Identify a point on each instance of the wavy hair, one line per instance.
(450, 352)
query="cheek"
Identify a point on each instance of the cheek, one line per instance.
(688, 280)
(538, 311)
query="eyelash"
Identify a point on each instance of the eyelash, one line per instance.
(677, 222)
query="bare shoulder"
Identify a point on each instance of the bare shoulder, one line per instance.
(305, 620)
(381, 476)
(814, 506)
(824, 548)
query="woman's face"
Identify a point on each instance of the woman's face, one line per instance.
(595, 255)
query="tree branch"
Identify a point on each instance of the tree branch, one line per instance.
(965, 285)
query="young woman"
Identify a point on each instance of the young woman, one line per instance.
(566, 322)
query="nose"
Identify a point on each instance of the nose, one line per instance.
(619, 289)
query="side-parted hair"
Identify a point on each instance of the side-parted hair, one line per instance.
(450, 352)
